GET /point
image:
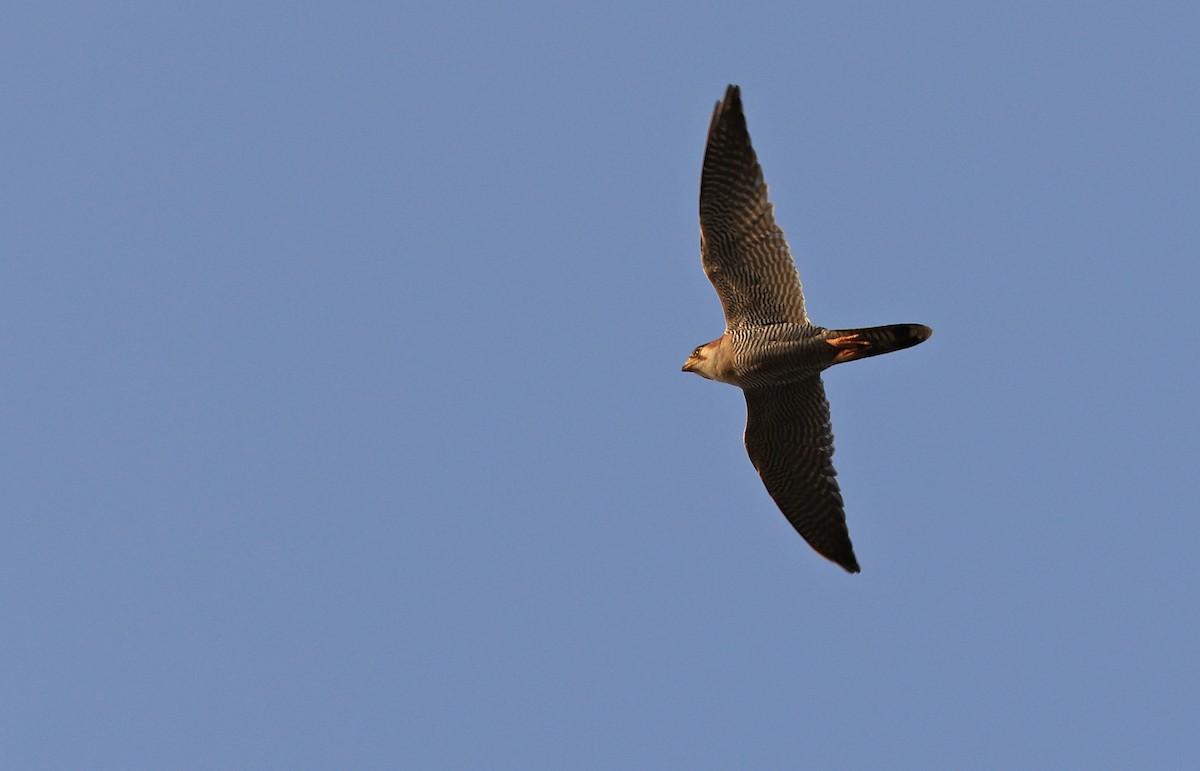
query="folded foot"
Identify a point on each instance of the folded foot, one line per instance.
(849, 347)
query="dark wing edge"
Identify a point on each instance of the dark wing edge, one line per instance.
(790, 442)
(743, 250)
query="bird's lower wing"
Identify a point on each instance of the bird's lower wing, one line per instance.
(790, 442)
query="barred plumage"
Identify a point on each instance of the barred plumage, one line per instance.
(770, 349)
(744, 252)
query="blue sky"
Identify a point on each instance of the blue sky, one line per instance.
(344, 427)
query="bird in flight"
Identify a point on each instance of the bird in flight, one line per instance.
(770, 349)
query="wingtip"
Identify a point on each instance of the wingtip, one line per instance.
(846, 562)
(732, 99)
(730, 103)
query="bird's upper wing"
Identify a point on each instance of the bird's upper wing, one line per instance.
(790, 442)
(744, 252)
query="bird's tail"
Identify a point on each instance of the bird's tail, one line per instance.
(851, 344)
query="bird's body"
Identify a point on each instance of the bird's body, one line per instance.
(770, 349)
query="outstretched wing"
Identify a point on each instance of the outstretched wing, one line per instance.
(790, 442)
(743, 251)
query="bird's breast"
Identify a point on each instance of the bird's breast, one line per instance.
(784, 353)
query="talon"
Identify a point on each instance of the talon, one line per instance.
(849, 347)
(848, 341)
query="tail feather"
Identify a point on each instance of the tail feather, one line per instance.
(874, 341)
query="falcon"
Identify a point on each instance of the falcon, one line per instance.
(770, 349)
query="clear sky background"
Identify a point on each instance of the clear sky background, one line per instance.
(343, 424)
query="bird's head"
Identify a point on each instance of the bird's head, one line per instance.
(706, 359)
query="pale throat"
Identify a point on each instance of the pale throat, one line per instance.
(718, 365)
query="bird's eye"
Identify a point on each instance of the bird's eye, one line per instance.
(696, 353)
